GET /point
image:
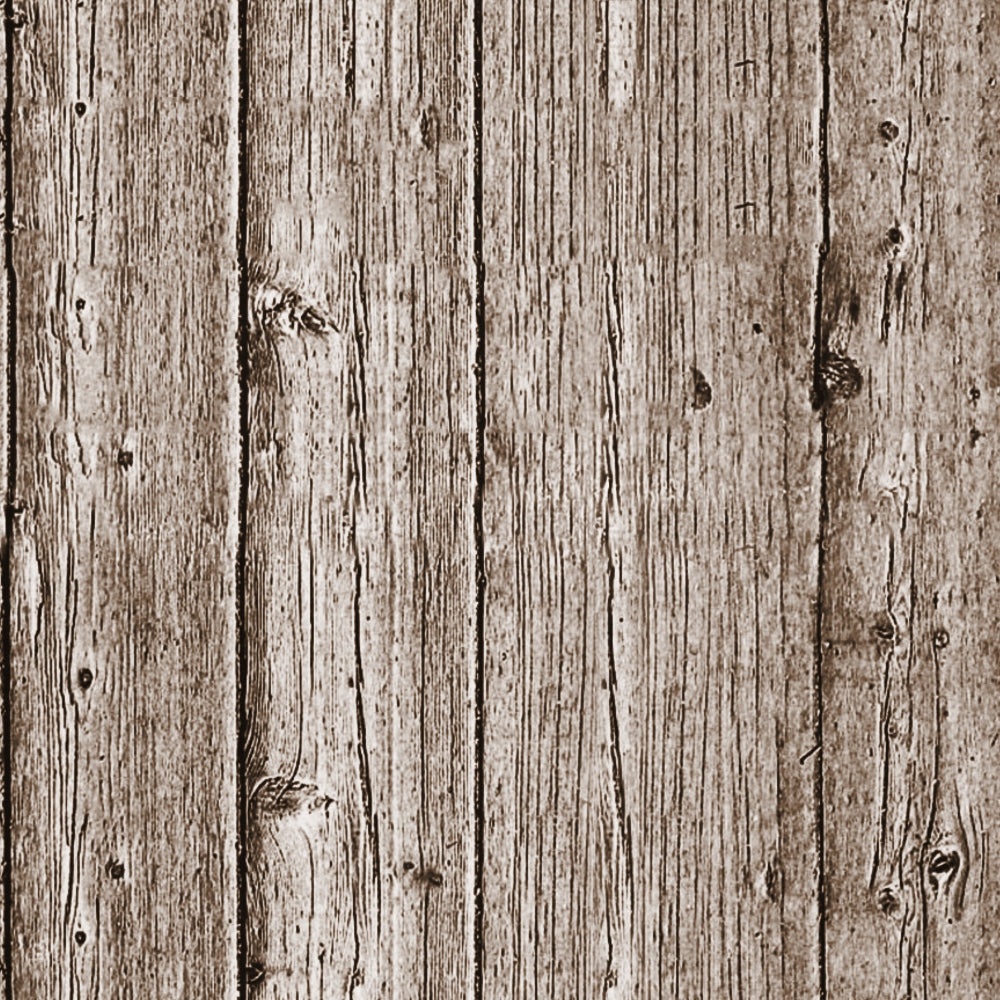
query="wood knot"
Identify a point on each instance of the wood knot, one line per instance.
(284, 312)
(839, 378)
(280, 797)
(941, 867)
(772, 882)
(889, 131)
(702, 390)
(429, 875)
(895, 240)
(888, 901)
(884, 630)
(429, 127)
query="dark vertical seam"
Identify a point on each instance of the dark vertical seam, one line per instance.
(364, 771)
(819, 402)
(480, 370)
(10, 507)
(242, 650)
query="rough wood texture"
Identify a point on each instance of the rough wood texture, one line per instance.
(653, 500)
(612, 545)
(122, 615)
(360, 590)
(911, 593)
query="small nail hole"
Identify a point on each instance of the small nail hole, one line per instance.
(941, 638)
(85, 677)
(80, 937)
(895, 236)
(125, 459)
(116, 869)
(80, 108)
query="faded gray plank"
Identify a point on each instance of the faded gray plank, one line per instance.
(911, 592)
(360, 590)
(122, 669)
(652, 500)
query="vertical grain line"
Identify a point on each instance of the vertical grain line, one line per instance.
(480, 372)
(10, 278)
(614, 337)
(618, 780)
(242, 651)
(819, 400)
(364, 772)
(819, 332)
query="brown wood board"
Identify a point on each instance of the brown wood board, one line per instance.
(499, 499)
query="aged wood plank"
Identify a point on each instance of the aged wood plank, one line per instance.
(911, 592)
(122, 618)
(652, 500)
(359, 590)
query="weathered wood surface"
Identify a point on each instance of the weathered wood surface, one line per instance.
(910, 587)
(653, 500)
(121, 622)
(500, 499)
(359, 587)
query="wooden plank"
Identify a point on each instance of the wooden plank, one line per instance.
(360, 590)
(652, 500)
(122, 616)
(911, 594)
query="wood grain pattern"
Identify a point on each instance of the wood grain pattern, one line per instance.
(360, 594)
(911, 594)
(500, 499)
(122, 553)
(653, 499)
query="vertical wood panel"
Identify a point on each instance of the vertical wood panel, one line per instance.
(360, 589)
(124, 520)
(912, 593)
(553, 879)
(713, 500)
(653, 493)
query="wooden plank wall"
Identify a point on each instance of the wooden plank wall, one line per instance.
(499, 499)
